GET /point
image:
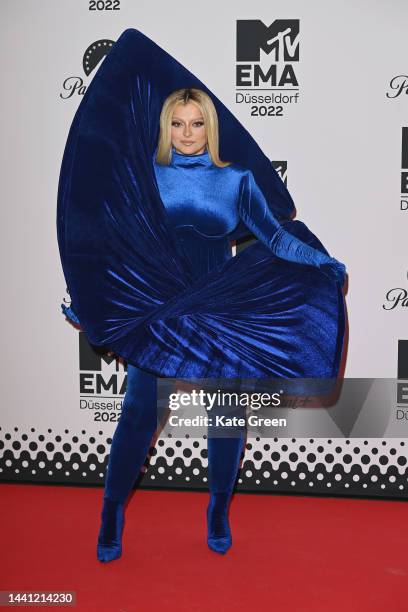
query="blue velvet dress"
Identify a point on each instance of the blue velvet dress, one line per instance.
(146, 255)
(146, 248)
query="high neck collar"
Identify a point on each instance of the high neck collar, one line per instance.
(184, 160)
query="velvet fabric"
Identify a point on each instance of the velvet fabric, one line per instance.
(133, 434)
(109, 545)
(135, 429)
(206, 203)
(128, 232)
(130, 444)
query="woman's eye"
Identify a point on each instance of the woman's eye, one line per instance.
(196, 123)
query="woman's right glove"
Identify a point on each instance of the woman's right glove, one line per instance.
(69, 312)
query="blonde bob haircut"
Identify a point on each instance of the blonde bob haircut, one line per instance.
(208, 110)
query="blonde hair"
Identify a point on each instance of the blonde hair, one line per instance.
(206, 106)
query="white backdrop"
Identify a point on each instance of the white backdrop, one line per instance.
(341, 141)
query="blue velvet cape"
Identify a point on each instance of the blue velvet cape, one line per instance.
(158, 286)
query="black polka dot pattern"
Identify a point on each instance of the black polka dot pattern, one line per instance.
(341, 467)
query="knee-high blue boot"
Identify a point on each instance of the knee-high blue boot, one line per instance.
(224, 456)
(130, 444)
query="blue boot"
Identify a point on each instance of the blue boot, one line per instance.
(130, 445)
(110, 535)
(219, 537)
(224, 455)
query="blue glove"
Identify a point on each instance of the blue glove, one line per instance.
(287, 246)
(334, 270)
(70, 314)
(257, 216)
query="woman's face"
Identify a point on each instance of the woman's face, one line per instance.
(188, 132)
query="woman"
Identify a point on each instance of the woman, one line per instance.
(206, 201)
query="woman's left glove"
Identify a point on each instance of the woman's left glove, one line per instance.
(334, 269)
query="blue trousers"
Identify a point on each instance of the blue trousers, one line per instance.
(133, 435)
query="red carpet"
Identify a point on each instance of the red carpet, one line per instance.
(289, 553)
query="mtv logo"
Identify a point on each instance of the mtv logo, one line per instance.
(281, 168)
(93, 358)
(404, 148)
(404, 165)
(402, 359)
(281, 37)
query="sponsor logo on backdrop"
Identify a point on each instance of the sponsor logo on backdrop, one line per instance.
(102, 382)
(96, 51)
(404, 169)
(396, 298)
(398, 85)
(402, 383)
(266, 62)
